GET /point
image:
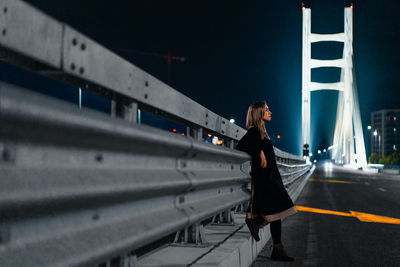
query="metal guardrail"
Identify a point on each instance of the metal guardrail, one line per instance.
(79, 187)
(35, 41)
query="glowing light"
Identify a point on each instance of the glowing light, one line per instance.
(174, 130)
(369, 127)
(80, 98)
(394, 118)
(278, 136)
(324, 150)
(328, 166)
(311, 154)
(315, 161)
(232, 120)
(375, 132)
(182, 133)
(319, 151)
(209, 135)
(219, 142)
(375, 165)
(214, 140)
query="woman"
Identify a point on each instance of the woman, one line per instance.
(270, 202)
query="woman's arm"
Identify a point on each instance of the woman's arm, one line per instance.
(251, 143)
(263, 160)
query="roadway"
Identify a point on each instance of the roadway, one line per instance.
(338, 223)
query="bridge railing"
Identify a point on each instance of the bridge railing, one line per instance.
(37, 42)
(79, 187)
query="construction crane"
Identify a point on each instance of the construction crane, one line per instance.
(167, 57)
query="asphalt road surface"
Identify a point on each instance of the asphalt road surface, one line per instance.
(327, 233)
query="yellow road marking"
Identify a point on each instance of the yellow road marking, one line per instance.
(308, 209)
(331, 181)
(364, 217)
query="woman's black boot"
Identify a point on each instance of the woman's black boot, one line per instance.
(279, 253)
(253, 227)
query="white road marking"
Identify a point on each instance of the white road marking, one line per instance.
(381, 189)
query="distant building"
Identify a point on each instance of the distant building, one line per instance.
(385, 131)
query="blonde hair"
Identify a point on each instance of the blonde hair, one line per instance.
(254, 118)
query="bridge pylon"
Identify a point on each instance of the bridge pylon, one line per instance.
(348, 143)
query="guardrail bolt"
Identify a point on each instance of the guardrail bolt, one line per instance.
(5, 10)
(5, 234)
(146, 84)
(4, 32)
(74, 42)
(81, 70)
(7, 155)
(72, 66)
(83, 47)
(95, 216)
(99, 158)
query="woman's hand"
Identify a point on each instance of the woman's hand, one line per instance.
(263, 160)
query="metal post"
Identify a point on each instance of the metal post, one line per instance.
(306, 79)
(232, 143)
(196, 133)
(120, 109)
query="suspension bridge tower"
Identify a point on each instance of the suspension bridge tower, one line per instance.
(348, 144)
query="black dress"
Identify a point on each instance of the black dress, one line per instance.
(270, 199)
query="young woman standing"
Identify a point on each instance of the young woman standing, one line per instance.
(270, 202)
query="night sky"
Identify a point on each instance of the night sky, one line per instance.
(239, 52)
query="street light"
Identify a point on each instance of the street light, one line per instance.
(214, 140)
(232, 120)
(319, 151)
(369, 127)
(375, 132)
(324, 150)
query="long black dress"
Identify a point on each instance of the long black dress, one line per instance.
(270, 200)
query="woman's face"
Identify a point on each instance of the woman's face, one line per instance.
(267, 114)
